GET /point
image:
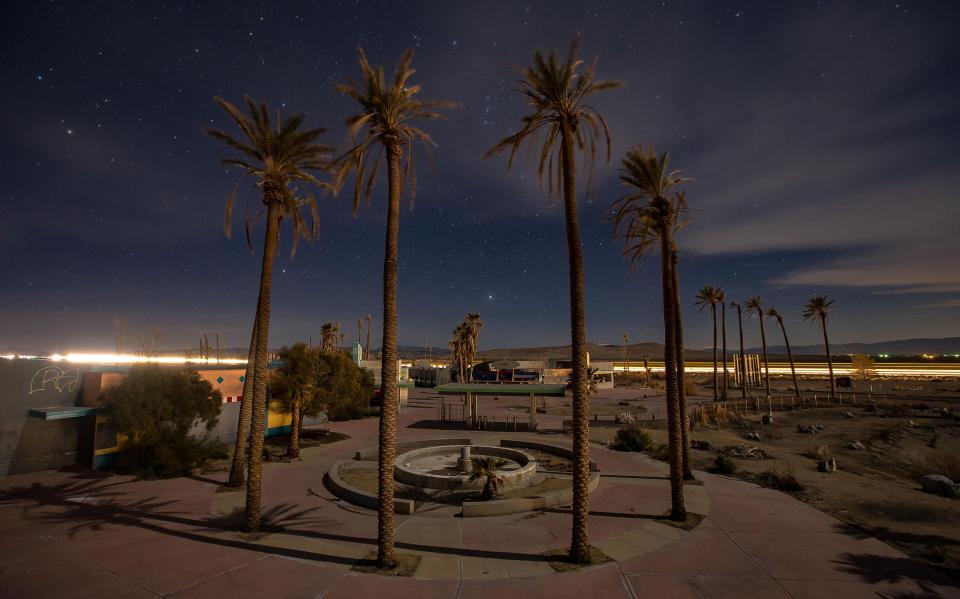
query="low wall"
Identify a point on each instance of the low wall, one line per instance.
(408, 476)
(545, 447)
(360, 497)
(501, 507)
(369, 453)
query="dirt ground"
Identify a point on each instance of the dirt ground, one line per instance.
(875, 489)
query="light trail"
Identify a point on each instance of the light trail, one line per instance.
(899, 369)
(95, 358)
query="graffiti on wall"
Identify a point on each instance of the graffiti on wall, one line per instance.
(56, 379)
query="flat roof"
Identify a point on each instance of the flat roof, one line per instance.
(501, 389)
(61, 412)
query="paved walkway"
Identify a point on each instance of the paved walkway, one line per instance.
(89, 534)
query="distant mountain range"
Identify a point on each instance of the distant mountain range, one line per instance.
(899, 347)
(636, 351)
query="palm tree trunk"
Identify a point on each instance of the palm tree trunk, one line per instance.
(743, 355)
(713, 309)
(579, 539)
(258, 416)
(723, 323)
(296, 417)
(826, 344)
(246, 413)
(766, 365)
(389, 392)
(677, 510)
(681, 366)
(793, 370)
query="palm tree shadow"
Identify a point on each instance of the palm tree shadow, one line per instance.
(876, 569)
(91, 505)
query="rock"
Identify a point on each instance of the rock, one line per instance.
(848, 414)
(912, 424)
(945, 412)
(698, 444)
(623, 403)
(857, 445)
(940, 485)
(752, 435)
(827, 465)
(625, 418)
(810, 429)
(767, 419)
(744, 451)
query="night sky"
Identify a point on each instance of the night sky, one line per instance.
(822, 137)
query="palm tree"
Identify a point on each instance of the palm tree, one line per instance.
(818, 309)
(367, 352)
(722, 300)
(473, 325)
(743, 355)
(296, 383)
(279, 156)
(773, 313)
(647, 216)
(755, 308)
(458, 349)
(556, 92)
(384, 132)
(709, 296)
(681, 366)
(488, 467)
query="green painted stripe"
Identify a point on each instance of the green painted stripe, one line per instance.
(501, 389)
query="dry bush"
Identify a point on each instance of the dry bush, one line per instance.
(690, 387)
(938, 461)
(823, 452)
(895, 409)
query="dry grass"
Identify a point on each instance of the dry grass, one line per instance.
(938, 461)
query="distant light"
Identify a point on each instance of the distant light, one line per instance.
(126, 359)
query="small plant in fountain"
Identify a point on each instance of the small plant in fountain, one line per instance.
(489, 468)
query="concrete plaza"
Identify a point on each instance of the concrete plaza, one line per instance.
(81, 534)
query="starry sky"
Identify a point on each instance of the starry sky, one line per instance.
(822, 137)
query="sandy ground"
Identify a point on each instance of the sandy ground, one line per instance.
(876, 489)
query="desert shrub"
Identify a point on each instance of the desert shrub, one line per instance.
(895, 409)
(724, 465)
(690, 386)
(938, 461)
(631, 438)
(344, 389)
(782, 481)
(153, 410)
(923, 407)
(629, 379)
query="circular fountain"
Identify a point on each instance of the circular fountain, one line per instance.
(449, 467)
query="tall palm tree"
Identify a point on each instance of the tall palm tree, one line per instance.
(755, 307)
(385, 133)
(681, 367)
(280, 156)
(368, 354)
(722, 300)
(773, 313)
(709, 296)
(743, 355)
(818, 309)
(647, 217)
(562, 123)
(473, 325)
(458, 345)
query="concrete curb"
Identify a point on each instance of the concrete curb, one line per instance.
(502, 507)
(358, 497)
